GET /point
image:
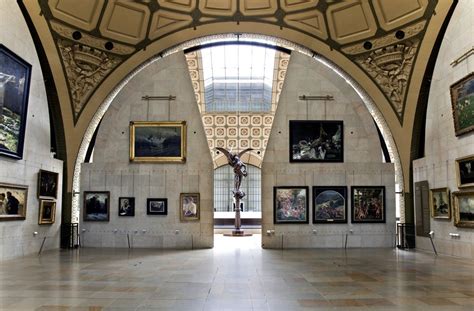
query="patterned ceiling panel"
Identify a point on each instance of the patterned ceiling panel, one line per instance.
(164, 22)
(366, 32)
(218, 7)
(84, 16)
(296, 5)
(311, 22)
(351, 21)
(258, 7)
(180, 5)
(393, 14)
(133, 30)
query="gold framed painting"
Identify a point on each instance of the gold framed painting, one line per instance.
(13, 202)
(440, 205)
(47, 212)
(462, 101)
(463, 202)
(189, 205)
(158, 141)
(465, 171)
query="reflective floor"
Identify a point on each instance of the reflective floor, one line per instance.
(237, 275)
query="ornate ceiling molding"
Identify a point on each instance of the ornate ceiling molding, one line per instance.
(364, 31)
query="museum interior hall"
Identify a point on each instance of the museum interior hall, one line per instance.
(237, 155)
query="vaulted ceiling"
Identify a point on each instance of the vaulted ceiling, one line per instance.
(91, 45)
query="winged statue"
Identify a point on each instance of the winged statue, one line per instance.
(240, 169)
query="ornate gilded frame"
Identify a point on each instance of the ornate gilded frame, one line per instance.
(458, 222)
(47, 221)
(21, 215)
(434, 213)
(459, 178)
(181, 158)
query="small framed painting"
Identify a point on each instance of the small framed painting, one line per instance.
(158, 141)
(15, 76)
(329, 205)
(47, 212)
(13, 202)
(462, 102)
(96, 205)
(465, 171)
(316, 141)
(440, 203)
(463, 202)
(368, 204)
(157, 206)
(47, 185)
(291, 205)
(189, 206)
(126, 206)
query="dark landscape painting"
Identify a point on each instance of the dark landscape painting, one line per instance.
(157, 206)
(464, 209)
(316, 141)
(329, 205)
(96, 205)
(14, 88)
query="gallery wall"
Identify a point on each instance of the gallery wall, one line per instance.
(442, 147)
(362, 166)
(112, 171)
(17, 237)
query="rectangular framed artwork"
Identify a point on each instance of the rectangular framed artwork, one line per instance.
(465, 171)
(13, 202)
(47, 184)
(463, 202)
(368, 204)
(329, 204)
(157, 206)
(462, 101)
(47, 212)
(96, 206)
(316, 141)
(126, 206)
(158, 141)
(440, 203)
(291, 205)
(189, 206)
(15, 76)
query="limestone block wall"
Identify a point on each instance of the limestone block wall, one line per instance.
(442, 147)
(112, 171)
(362, 166)
(16, 237)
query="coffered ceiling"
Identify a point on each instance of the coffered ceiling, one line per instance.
(91, 45)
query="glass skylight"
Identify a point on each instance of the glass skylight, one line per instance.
(238, 77)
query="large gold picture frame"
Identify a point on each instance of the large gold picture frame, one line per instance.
(440, 203)
(158, 141)
(463, 202)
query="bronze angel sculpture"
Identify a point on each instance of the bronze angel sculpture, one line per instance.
(240, 171)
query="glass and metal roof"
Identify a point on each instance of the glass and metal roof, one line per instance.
(238, 77)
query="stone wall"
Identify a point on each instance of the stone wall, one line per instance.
(442, 147)
(112, 171)
(362, 166)
(17, 237)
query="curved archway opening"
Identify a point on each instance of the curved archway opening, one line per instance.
(370, 105)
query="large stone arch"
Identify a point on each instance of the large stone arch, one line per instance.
(311, 24)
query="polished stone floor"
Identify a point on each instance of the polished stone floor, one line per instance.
(237, 275)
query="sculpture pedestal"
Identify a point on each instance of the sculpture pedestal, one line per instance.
(238, 233)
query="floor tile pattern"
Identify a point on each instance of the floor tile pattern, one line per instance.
(236, 275)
